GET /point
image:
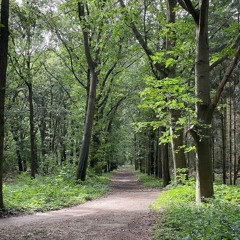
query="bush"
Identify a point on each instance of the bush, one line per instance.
(219, 218)
(52, 192)
(149, 181)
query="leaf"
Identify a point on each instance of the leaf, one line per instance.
(2, 25)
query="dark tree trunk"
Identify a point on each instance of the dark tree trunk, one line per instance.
(3, 77)
(165, 165)
(84, 151)
(32, 133)
(96, 145)
(230, 137)
(235, 145)
(205, 107)
(159, 159)
(43, 128)
(18, 153)
(213, 148)
(223, 131)
(136, 152)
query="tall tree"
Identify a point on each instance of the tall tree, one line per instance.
(84, 151)
(3, 76)
(201, 131)
(161, 71)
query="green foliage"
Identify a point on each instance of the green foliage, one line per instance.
(218, 218)
(52, 192)
(149, 181)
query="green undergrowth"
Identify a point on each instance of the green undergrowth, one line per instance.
(148, 181)
(181, 218)
(52, 192)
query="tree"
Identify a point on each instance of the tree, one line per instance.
(161, 71)
(84, 151)
(24, 58)
(205, 106)
(3, 76)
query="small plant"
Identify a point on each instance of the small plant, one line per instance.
(149, 181)
(218, 218)
(52, 192)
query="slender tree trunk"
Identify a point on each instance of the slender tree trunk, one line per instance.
(223, 128)
(84, 151)
(213, 148)
(165, 165)
(96, 145)
(235, 145)
(42, 128)
(165, 162)
(3, 77)
(159, 158)
(136, 151)
(179, 159)
(18, 153)
(230, 137)
(32, 133)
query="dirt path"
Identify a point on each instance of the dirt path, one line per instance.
(121, 214)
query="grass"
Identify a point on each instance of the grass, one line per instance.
(51, 192)
(181, 218)
(148, 181)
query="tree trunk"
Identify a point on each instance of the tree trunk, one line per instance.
(165, 162)
(204, 178)
(3, 77)
(230, 136)
(43, 128)
(235, 145)
(159, 167)
(204, 107)
(32, 133)
(84, 151)
(223, 128)
(165, 165)
(179, 159)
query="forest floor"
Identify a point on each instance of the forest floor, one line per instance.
(121, 214)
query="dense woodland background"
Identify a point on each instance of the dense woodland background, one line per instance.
(140, 55)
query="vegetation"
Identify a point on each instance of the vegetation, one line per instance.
(149, 181)
(181, 218)
(51, 192)
(97, 84)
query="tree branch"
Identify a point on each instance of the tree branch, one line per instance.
(224, 57)
(188, 6)
(225, 79)
(159, 68)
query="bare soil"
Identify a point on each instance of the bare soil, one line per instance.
(122, 214)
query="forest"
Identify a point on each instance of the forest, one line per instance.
(87, 87)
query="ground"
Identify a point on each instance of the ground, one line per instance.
(121, 214)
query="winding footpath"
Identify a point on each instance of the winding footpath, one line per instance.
(122, 214)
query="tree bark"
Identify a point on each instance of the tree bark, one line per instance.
(223, 131)
(165, 162)
(32, 133)
(179, 159)
(204, 169)
(3, 77)
(84, 151)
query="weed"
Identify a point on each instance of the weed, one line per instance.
(52, 192)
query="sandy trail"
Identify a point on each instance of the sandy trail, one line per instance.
(121, 214)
